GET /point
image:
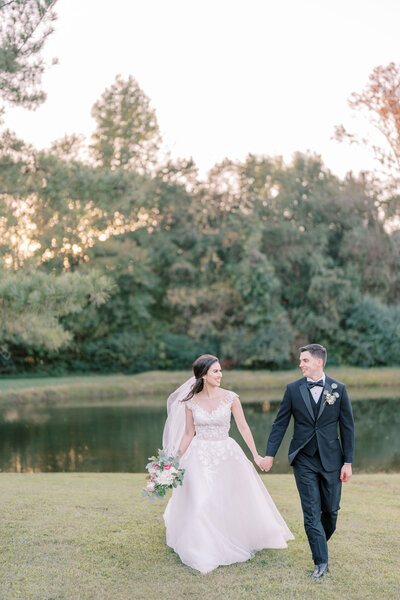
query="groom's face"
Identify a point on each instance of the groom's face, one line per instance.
(310, 365)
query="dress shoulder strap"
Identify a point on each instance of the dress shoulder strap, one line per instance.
(189, 404)
(230, 397)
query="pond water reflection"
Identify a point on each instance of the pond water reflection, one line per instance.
(119, 438)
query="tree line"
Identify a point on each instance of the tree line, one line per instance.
(114, 259)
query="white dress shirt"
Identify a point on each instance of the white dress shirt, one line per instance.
(317, 391)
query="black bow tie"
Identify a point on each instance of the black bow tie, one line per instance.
(311, 384)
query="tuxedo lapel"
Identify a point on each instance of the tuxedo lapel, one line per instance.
(327, 387)
(306, 397)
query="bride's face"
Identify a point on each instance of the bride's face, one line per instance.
(214, 375)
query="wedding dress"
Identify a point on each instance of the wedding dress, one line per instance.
(222, 514)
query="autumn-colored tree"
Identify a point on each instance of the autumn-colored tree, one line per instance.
(379, 102)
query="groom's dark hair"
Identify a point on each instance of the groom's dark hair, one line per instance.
(316, 350)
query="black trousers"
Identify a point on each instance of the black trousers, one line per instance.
(320, 493)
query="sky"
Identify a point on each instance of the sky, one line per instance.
(226, 78)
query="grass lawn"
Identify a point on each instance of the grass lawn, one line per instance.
(92, 536)
(154, 387)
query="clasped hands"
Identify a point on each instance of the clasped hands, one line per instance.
(265, 463)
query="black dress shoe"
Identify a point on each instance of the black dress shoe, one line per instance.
(320, 570)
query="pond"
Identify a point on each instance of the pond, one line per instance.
(120, 438)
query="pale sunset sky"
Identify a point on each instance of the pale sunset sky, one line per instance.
(226, 78)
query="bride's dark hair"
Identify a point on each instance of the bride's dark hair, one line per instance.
(200, 368)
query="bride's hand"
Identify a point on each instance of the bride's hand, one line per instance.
(257, 460)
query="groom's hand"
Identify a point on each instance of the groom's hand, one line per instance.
(346, 473)
(266, 463)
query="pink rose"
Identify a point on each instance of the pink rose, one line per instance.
(167, 467)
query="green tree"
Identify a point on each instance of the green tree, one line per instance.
(33, 303)
(24, 28)
(54, 208)
(127, 134)
(263, 335)
(373, 334)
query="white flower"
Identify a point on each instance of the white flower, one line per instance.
(330, 397)
(150, 487)
(165, 478)
(334, 386)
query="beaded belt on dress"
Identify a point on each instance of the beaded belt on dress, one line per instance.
(212, 433)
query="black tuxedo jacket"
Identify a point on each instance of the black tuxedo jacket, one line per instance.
(331, 417)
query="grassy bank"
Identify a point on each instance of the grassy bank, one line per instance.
(153, 386)
(92, 537)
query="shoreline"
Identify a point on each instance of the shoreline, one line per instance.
(153, 387)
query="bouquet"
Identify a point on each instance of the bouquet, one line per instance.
(164, 474)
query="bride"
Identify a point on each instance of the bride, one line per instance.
(222, 514)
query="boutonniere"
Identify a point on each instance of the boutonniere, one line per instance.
(330, 396)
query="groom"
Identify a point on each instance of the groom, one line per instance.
(320, 462)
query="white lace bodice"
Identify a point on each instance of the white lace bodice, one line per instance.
(212, 444)
(212, 425)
